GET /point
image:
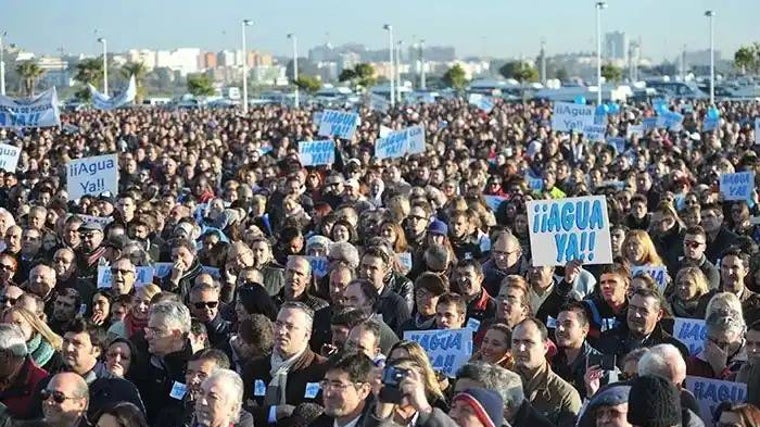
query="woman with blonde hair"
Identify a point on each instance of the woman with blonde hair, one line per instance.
(411, 350)
(690, 286)
(43, 344)
(137, 316)
(638, 250)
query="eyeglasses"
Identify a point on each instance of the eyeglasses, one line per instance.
(200, 305)
(334, 385)
(692, 243)
(8, 300)
(57, 396)
(5, 267)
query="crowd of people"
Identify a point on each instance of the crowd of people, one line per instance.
(288, 290)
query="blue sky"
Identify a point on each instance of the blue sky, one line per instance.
(502, 28)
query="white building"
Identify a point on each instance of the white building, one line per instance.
(146, 56)
(183, 60)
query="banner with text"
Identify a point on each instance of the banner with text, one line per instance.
(737, 186)
(40, 111)
(338, 124)
(447, 349)
(710, 393)
(9, 156)
(101, 101)
(569, 229)
(92, 175)
(657, 272)
(313, 153)
(691, 332)
(105, 277)
(569, 117)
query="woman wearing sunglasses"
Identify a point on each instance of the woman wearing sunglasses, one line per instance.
(137, 315)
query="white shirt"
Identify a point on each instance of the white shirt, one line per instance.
(351, 423)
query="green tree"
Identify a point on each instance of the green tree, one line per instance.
(29, 72)
(200, 85)
(455, 77)
(89, 71)
(361, 75)
(307, 83)
(612, 73)
(347, 75)
(561, 75)
(520, 71)
(138, 70)
(747, 58)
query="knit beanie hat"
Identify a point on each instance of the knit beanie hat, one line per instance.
(654, 402)
(487, 405)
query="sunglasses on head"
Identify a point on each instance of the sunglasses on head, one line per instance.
(58, 397)
(204, 304)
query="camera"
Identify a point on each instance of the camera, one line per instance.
(606, 362)
(392, 376)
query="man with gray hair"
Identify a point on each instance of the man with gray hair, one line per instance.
(19, 375)
(724, 350)
(167, 335)
(290, 375)
(220, 399)
(518, 411)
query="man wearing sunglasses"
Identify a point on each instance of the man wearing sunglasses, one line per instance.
(65, 400)
(694, 246)
(9, 295)
(204, 306)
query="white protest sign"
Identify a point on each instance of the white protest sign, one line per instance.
(102, 101)
(319, 265)
(657, 272)
(415, 136)
(338, 123)
(569, 229)
(634, 130)
(710, 393)
(569, 117)
(447, 349)
(385, 131)
(595, 132)
(486, 104)
(90, 219)
(737, 186)
(757, 131)
(392, 146)
(105, 277)
(92, 175)
(475, 98)
(691, 332)
(9, 156)
(162, 269)
(313, 153)
(405, 259)
(40, 111)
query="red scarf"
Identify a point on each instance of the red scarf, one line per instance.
(132, 325)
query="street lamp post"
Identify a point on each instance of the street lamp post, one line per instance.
(103, 41)
(295, 68)
(245, 23)
(710, 14)
(389, 28)
(2, 65)
(599, 6)
(422, 65)
(399, 55)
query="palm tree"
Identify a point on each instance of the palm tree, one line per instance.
(29, 71)
(138, 70)
(89, 71)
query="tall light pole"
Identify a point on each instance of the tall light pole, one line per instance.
(710, 14)
(103, 41)
(422, 64)
(245, 23)
(2, 65)
(399, 54)
(599, 6)
(295, 67)
(389, 28)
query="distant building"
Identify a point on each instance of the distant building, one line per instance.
(146, 56)
(208, 61)
(698, 58)
(183, 60)
(616, 46)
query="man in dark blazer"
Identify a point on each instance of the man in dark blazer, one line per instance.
(346, 391)
(275, 384)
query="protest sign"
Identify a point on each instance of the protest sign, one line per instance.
(162, 269)
(405, 259)
(474, 98)
(385, 131)
(670, 120)
(757, 131)
(710, 393)
(319, 265)
(105, 277)
(40, 111)
(9, 156)
(569, 229)
(617, 143)
(657, 272)
(392, 146)
(447, 349)
(569, 117)
(92, 175)
(102, 220)
(494, 202)
(595, 132)
(101, 101)
(534, 183)
(313, 153)
(486, 104)
(415, 136)
(710, 124)
(634, 130)
(338, 124)
(737, 186)
(317, 118)
(649, 123)
(379, 103)
(691, 332)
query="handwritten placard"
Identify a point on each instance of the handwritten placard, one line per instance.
(447, 349)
